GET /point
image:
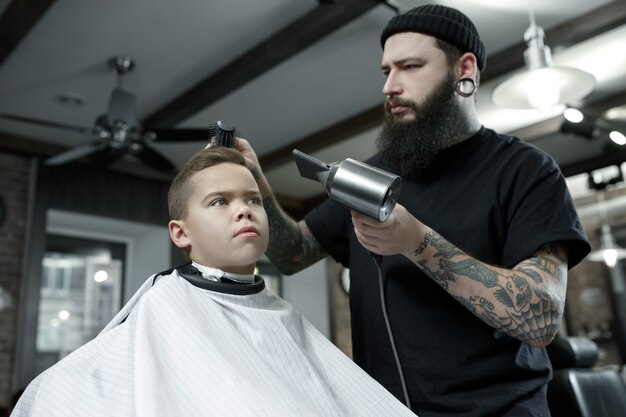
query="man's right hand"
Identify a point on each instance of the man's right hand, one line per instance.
(252, 161)
(244, 147)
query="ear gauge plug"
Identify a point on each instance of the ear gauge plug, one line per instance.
(223, 134)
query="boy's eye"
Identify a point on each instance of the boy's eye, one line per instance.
(218, 202)
(256, 200)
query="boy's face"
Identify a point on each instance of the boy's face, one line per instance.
(226, 226)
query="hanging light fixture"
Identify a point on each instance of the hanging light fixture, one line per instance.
(608, 252)
(541, 86)
(575, 122)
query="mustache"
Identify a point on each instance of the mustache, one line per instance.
(397, 101)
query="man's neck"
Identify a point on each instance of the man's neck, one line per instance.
(472, 126)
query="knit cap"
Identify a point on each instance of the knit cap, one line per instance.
(442, 22)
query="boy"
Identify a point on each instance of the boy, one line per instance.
(207, 339)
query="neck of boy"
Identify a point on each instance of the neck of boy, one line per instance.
(214, 274)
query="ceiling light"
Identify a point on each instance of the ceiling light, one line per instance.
(70, 99)
(101, 275)
(578, 124)
(618, 137)
(541, 85)
(616, 113)
(609, 252)
(573, 115)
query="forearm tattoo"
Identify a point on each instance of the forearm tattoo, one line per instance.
(291, 247)
(525, 302)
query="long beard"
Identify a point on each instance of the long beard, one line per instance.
(413, 145)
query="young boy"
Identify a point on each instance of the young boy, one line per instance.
(207, 339)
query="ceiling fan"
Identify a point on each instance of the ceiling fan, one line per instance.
(118, 132)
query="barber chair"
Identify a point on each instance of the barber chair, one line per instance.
(579, 390)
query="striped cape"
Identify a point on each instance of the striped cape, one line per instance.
(178, 350)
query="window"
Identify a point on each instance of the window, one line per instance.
(81, 291)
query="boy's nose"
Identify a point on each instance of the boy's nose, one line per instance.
(244, 212)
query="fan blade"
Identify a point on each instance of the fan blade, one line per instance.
(152, 158)
(181, 135)
(106, 156)
(83, 130)
(77, 153)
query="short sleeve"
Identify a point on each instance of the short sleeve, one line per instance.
(540, 210)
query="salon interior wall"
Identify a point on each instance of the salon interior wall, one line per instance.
(596, 300)
(308, 292)
(15, 173)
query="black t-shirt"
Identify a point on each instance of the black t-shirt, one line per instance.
(498, 199)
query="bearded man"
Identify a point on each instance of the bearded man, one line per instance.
(476, 250)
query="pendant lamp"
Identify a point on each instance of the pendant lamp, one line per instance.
(541, 85)
(608, 252)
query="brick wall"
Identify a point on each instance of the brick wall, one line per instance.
(14, 180)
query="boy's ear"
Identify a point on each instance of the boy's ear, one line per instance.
(178, 234)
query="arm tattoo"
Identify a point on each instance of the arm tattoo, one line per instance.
(538, 323)
(473, 269)
(291, 247)
(525, 303)
(445, 249)
(443, 278)
(424, 244)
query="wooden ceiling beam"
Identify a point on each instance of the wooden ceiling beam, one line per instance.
(348, 128)
(284, 44)
(18, 19)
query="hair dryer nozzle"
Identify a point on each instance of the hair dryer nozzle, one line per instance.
(312, 168)
(356, 185)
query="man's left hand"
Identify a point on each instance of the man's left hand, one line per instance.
(398, 234)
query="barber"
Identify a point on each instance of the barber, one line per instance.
(476, 250)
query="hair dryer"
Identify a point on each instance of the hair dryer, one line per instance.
(356, 185)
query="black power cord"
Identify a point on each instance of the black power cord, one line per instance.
(378, 260)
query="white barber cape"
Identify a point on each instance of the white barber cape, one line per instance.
(176, 349)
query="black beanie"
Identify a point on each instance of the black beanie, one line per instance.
(442, 22)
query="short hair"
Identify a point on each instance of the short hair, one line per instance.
(181, 189)
(453, 53)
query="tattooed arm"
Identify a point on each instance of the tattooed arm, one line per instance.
(526, 302)
(292, 246)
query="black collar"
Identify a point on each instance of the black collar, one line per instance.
(195, 278)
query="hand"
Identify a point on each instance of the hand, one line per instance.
(244, 147)
(399, 234)
(252, 161)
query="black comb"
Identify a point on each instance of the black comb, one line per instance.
(223, 134)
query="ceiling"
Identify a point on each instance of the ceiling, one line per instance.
(288, 74)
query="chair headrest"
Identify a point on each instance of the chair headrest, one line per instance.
(572, 352)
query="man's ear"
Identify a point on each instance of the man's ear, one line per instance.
(178, 234)
(467, 66)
